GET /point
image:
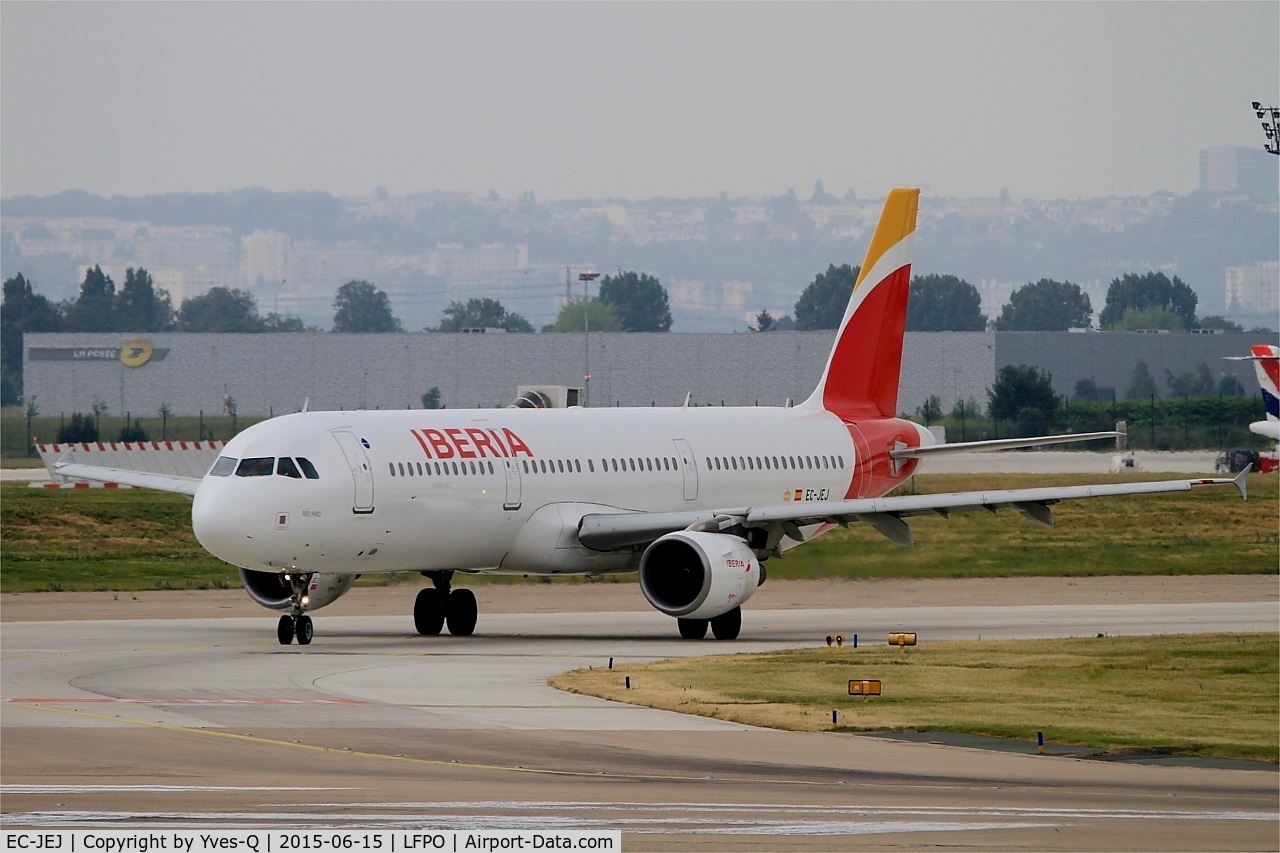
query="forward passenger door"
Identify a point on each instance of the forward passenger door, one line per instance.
(361, 471)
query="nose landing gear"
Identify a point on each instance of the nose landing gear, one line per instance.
(296, 623)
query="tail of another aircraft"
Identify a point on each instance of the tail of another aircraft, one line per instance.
(1266, 361)
(861, 376)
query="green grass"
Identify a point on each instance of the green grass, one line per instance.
(55, 539)
(1206, 531)
(139, 539)
(129, 539)
(1206, 695)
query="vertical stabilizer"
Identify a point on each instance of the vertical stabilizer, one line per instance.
(1266, 361)
(861, 376)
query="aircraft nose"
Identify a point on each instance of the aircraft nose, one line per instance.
(216, 521)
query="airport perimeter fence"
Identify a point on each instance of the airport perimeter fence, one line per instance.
(1178, 423)
(1184, 423)
(19, 434)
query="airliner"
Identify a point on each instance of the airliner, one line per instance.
(694, 499)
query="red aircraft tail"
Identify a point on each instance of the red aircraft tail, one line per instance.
(861, 377)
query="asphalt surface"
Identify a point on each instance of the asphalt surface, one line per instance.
(190, 721)
(208, 722)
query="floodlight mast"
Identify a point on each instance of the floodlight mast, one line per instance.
(586, 278)
(1270, 125)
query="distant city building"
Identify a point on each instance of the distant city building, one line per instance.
(316, 269)
(188, 248)
(264, 258)
(184, 283)
(1254, 289)
(1232, 168)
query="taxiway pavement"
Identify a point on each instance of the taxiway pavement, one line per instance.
(209, 722)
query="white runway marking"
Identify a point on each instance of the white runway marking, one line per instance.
(632, 817)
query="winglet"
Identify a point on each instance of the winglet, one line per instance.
(862, 372)
(1239, 481)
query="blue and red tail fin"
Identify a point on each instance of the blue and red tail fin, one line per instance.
(861, 377)
(1266, 360)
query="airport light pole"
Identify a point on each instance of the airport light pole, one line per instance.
(1270, 124)
(586, 278)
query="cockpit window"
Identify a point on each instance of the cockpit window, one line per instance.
(308, 469)
(224, 467)
(259, 466)
(286, 468)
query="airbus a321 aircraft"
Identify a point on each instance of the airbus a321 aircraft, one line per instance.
(694, 499)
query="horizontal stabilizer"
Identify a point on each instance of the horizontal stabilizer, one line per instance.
(997, 444)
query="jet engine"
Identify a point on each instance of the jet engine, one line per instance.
(694, 575)
(270, 589)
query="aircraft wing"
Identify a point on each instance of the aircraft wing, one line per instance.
(612, 531)
(144, 479)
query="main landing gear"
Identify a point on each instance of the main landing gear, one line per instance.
(296, 623)
(439, 605)
(726, 626)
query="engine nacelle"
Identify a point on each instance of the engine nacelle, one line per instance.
(271, 590)
(696, 575)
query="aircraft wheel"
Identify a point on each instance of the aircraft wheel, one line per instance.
(428, 611)
(304, 629)
(727, 626)
(692, 629)
(462, 612)
(284, 630)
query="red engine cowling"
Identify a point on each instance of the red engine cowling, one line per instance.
(695, 575)
(271, 590)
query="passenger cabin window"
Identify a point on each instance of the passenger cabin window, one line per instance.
(224, 467)
(258, 466)
(286, 468)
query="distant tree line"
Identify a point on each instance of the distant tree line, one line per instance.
(1203, 232)
(946, 303)
(627, 302)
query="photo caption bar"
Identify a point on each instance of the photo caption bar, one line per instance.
(325, 841)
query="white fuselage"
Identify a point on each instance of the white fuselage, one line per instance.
(504, 489)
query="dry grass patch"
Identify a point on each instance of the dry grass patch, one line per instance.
(1209, 695)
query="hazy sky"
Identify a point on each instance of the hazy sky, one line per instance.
(629, 100)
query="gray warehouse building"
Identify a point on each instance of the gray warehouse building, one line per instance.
(275, 373)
